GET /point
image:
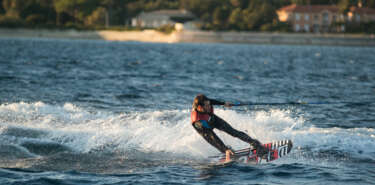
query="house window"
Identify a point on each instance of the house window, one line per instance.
(134, 22)
(307, 17)
(358, 17)
(334, 18)
(342, 18)
(307, 27)
(155, 24)
(325, 17)
(342, 28)
(297, 16)
(297, 28)
(316, 28)
(316, 17)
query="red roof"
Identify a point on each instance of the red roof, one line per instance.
(309, 8)
(362, 10)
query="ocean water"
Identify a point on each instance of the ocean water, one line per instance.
(99, 112)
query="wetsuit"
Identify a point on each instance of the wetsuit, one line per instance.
(205, 128)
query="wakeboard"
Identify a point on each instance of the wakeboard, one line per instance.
(276, 150)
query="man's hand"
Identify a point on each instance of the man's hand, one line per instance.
(228, 104)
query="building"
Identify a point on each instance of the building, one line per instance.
(361, 14)
(311, 18)
(323, 18)
(160, 18)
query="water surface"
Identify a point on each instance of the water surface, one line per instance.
(98, 112)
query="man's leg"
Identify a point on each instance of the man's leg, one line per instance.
(210, 136)
(222, 125)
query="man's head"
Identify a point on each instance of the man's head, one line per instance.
(200, 99)
(201, 102)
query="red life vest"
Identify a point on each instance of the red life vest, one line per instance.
(196, 116)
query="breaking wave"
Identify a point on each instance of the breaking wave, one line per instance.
(34, 130)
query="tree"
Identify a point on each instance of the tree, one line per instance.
(64, 6)
(259, 13)
(220, 17)
(85, 8)
(13, 8)
(268, 13)
(108, 6)
(97, 17)
(235, 20)
(344, 6)
(2, 11)
(117, 11)
(133, 8)
(314, 2)
(38, 12)
(199, 7)
(369, 3)
(299, 2)
(242, 4)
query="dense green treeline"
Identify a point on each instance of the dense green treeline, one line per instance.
(253, 15)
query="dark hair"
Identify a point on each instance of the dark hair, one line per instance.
(199, 99)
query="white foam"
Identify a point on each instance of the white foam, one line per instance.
(171, 131)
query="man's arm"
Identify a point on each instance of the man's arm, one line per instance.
(217, 102)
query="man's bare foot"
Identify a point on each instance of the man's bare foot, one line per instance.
(228, 153)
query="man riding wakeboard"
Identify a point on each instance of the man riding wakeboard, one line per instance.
(204, 121)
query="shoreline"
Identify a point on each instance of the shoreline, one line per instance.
(142, 36)
(197, 37)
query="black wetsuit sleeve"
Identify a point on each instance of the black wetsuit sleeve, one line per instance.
(216, 102)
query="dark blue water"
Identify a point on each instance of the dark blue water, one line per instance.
(97, 112)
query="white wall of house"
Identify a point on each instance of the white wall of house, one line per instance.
(162, 17)
(151, 21)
